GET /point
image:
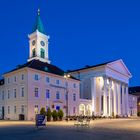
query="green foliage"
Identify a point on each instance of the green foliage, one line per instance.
(60, 114)
(54, 115)
(113, 114)
(49, 114)
(43, 111)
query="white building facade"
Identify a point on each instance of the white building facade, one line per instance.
(37, 83)
(95, 90)
(133, 105)
(107, 87)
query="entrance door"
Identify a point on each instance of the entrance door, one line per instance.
(3, 112)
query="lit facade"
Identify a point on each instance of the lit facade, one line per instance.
(107, 87)
(95, 90)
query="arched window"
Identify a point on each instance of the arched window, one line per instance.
(82, 109)
(88, 110)
(33, 52)
(42, 53)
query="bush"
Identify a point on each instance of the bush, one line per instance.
(48, 114)
(43, 111)
(60, 114)
(138, 113)
(54, 115)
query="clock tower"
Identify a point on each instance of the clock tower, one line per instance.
(38, 42)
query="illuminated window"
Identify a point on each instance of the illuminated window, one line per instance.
(36, 109)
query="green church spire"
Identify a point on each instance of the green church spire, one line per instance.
(38, 24)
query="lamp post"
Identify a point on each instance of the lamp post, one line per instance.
(66, 76)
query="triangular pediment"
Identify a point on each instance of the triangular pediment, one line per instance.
(120, 67)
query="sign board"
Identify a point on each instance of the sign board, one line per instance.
(40, 120)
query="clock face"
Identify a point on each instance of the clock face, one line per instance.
(33, 42)
(42, 43)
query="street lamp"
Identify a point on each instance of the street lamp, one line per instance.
(66, 76)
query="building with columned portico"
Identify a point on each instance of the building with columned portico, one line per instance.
(94, 90)
(106, 85)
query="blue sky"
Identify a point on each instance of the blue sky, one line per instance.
(82, 32)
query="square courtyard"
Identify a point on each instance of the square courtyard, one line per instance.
(104, 129)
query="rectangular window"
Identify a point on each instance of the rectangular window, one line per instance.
(2, 95)
(15, 109)
(22, 92)
(57, 108)
(8, 80)
(36, 92)
(8, 109)
(22, 77)
(57, 95)
(57, 82)
(15, 93)
(74, 110)
(66, 96)
(47, 79)
(22, 109)
(74, 85)
(15, 79)
(36, 77)
(47, 93)
(36, 109)
(66, 84)
(8, 94)
(74, 97)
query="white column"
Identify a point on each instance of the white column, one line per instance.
(127, 102)
(123, 101)
(93, 91)
(100, 94)
(115, 98)
(109, 100)
(119, 98)
(105, 97)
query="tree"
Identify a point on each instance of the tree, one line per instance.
(54, 115)
(60, 114)
(43, 111)
(49, 114)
